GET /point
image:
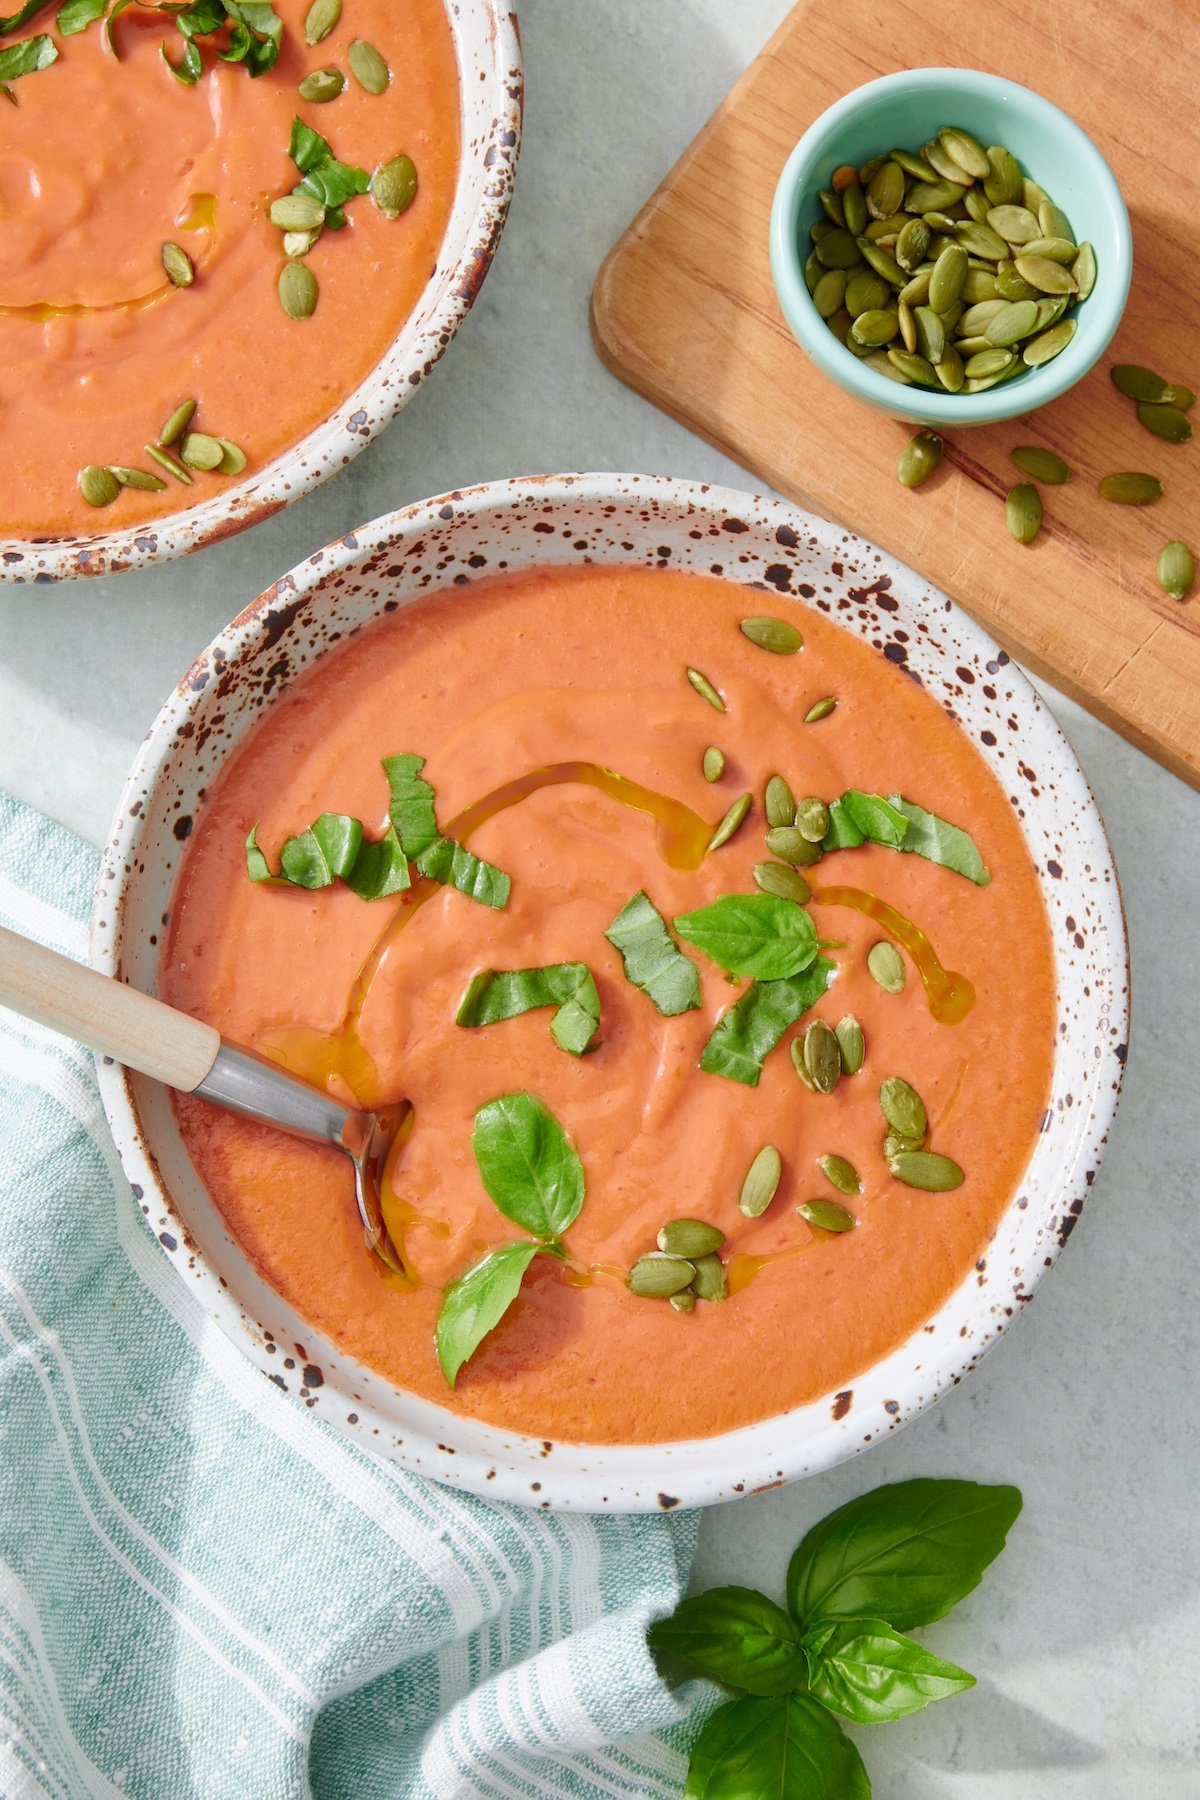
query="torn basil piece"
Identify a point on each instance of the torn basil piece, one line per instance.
(475, 1303)
(27, 57)
(324, 177)
(876, 818)
(940, 842)
(745, 1035)
(380, 869)
(438, 858)
(760, 935)
(899, 824)
(77, 15)
(334, 848)
(653, 961)
(448, 862)
(496, 994)
(843, 833)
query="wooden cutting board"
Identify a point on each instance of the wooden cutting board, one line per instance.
(684, 311)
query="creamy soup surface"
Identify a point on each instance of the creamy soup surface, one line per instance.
(103, 161)
(489, 683)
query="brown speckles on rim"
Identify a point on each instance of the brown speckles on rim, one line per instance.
(842, 1403)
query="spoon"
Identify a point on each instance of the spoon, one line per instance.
(130, 1027)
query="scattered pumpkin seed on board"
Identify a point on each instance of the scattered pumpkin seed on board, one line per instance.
(919, 458)
(1176, 569)
(1041, 465)
(1132, 488)
(1023, 512)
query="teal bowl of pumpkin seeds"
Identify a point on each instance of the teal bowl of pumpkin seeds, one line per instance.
(950, 247)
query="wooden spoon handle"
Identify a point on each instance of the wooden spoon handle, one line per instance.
(107, 1016)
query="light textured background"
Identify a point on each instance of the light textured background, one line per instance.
(1085, 1635)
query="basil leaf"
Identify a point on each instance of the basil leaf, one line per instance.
(475, 1304)
(240, 42)
(745, 1035)
(875, 817)
(906, 1553)
(257, 866)
(843, 833)
(870, 1674)
(22, 16)
(190, 66)
(119, 6)
(448, 862)
(77, 15)
(380, 868)
(27, 57)
(528, 1164)
(735, 1635)
(652, 959)
(496, 994)
(202, 20)
(302, 862)
(411, 810)
(753, 934)
(339, 838)
(331, 182)
(787, 1749)
(940, 842)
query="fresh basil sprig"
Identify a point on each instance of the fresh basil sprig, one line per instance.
(443, 859)
(334, 848)
(532, 1172)
(856, 818)
(26, 58)
(324, 177)
(744, 1036)
(652, 959)
(496, 994)
(902, 1555)
(759, 935)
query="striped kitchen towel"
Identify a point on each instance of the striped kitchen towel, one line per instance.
(204, 1591)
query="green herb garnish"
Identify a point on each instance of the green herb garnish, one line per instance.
(496, 994)
(475, 1303)
(759, 935)
(323, 176)
(900, 824)
(26, 58)
(653, 961)
(22, 16)
(439, 858)
(77, 15)
(746, 1034)
(448, 862)
(254, 39)
(895, 1558)
(334, 848)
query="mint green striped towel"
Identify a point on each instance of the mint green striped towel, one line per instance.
(205, 1592)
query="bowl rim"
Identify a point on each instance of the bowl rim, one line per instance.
(1039, 386)
(486, 39)
(492, 1461)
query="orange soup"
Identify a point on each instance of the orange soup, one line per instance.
(108, 158)
(565, 746)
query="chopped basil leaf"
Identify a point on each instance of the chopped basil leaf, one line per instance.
(257, 866)
(27, 57)
(380, 868)
(475, 1304)
(334, 847)
(439, 858)
(331, 182)
(190, 66)
(528, 1164)
(745, 1035)
(496, 994)
(753, 934)
(448, 862)
(900, 824)
(652, 959)
(876, 818)
(265, 32)
(22, 16)
(843, 833)
(940, 842)
(77, 15)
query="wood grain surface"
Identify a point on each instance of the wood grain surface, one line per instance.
(685, 312)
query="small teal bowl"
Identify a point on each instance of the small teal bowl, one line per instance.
(904, 111)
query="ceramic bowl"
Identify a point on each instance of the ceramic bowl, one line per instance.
(488, 54)
(807, 563)
(906, 109)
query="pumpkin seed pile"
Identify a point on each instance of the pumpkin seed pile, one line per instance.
(1161, 406)
(906, 1142)
(101, 484)
(946, 268)
(822, 1054)
(684, 1268)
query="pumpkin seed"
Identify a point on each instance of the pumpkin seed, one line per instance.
(1043, 465)
(903, 1108)
(882, 263)
(885, 191)
(826, 1215)
(908, 328)
(912, 243)
(322, 86)
(989, 362)
(945, 165)
(895, 1141)
(1166, 422)
(843, 177)
(812, 819)
(822, 1056)
(812, 271)
(829, 292)
(854, 209)
(1011, 286)
(849, 1034)
(799, 1064)
(981, 240)
(886, 966)
(913, 368)
(99, 486)
(394, 186)
(931, 334)
(201, 452)
(840, 1174)
(684, 1301)
(1052, 219)
(1032, 195)
(1176, 569)
(980, 284)
(976, 319)
(821, 709)
(298, 290)
(926, 1170)
(322, 16)
(1023, 512)
(1084, 270)
(976, 205)
(657, 1277)
(178, 265)
(832, 203)
(1051, 311)
(779, 803)
(762, 1179)
(1015, 320)
(791, 846)
(966, 151)
(786, 884)
(821, 229)
(731, 822)
(916, 291)
(838, 249)
(1048, 277)
(919, 458)
(168, 463)
(137, 478)
(705, 689)
(709, 1281)
(690, 1238)
(299, 243)
(713, 763)
(367, 66)
(885, 231)
(1131, 488)
(1137, 383)
(1002, 185)
(949, 275)
(1056, 249)
(1179, 396)
(874, 329)
(233, 458)
(297, 212)
(930, 196)
(912, 165)
(950, 370)
(177, 423)
(865, 292)
(840, 324)
(776, 635)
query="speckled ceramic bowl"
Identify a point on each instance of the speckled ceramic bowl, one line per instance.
(488, 53)
(802, 562)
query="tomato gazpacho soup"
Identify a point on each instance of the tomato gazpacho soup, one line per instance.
(216, 220)
(708, 955)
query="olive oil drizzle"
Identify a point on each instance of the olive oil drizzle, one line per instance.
(200, 214)
(950, 995)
